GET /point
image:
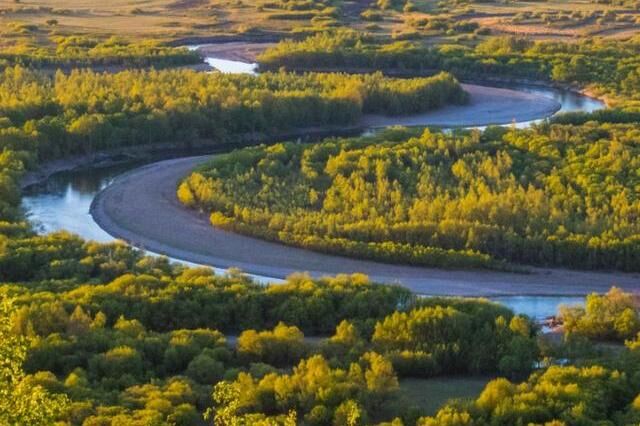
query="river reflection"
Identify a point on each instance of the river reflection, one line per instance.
(538, 307)
(63, 201)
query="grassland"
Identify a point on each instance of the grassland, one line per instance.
(160, 19)
(38, 21)
(431, 394)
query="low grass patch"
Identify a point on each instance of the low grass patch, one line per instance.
(35, 20)
(431, 394)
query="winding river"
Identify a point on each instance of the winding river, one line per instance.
(63, 201)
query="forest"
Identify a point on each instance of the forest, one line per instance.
(610, 67)
(554, 194)
(135, 338)
(101, 334)
(109, 334)
(104, 335)
(68, 52)
(86, 111)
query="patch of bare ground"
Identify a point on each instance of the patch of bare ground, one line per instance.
(187, 4)
(487, 105)
(234, 51)
(505, 27)
(353, 9)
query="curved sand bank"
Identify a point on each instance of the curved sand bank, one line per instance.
(141, 207)
(241, 51)
(487, 105)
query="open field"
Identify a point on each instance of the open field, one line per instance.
(159, 19)
(38, 21)
(431, 394)
(556, 19)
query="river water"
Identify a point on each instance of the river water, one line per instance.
(63, 201)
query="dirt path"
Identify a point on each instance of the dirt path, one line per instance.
(141, 207)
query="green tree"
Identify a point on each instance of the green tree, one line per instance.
(21, 402)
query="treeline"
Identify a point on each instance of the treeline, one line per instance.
(612, 67)
(81, 51)
(551, 195)
(86, 111)
(106, 334)
(457, 337)
(135, 339)
(93, 368)
(46, 117)
(315, 393)
(608, 115)
(120, 281)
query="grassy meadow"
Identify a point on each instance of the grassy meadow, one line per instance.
(38, 21)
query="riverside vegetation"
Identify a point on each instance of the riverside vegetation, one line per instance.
(107, 335)
(609, 67)
(555, 194)
(85, 111)
(126, 354)
(135, 339)
(561, 193)
(82, 51)
(100, 334)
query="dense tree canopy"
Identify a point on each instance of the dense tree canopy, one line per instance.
(21, 400)
(99, 334)
(82, 51)
(134, 339)
(441, 339)
(557, 396)
(554, 194)
(314, 391)
(115, 280)
(85, 111)
(613, 67)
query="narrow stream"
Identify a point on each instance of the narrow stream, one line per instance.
(63, 201)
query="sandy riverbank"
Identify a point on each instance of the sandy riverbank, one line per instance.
(487, 105)
(141, 207)
(241, 51)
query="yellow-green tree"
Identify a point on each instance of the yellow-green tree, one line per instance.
(21, 403)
